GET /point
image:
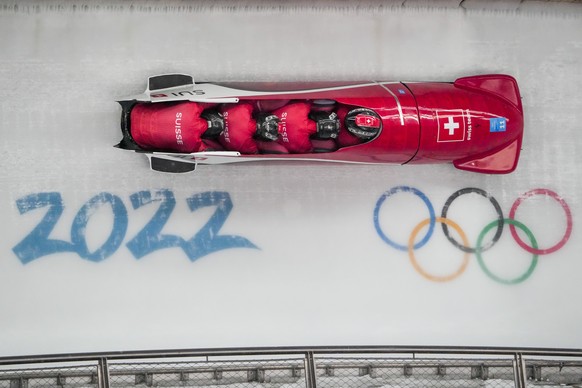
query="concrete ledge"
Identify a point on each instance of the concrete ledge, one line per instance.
(274, 6)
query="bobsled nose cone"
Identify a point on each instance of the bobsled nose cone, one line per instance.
(503, 132)
(501, 85)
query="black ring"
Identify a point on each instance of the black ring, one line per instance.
(500, 221)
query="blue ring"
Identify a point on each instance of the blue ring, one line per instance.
(416, 192)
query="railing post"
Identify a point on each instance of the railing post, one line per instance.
(103, 373)
(310, 371)
(519, 371)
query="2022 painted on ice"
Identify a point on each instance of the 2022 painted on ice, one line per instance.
(207, 238)
(150, 238)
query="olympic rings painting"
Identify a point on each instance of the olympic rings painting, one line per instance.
(480, 247)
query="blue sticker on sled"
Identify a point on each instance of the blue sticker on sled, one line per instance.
(497, 124)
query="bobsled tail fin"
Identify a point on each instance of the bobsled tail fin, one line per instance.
(500, 161)
(501, 85)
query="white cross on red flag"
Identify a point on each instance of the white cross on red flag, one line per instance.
(451, 125)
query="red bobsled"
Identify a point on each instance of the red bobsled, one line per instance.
(475, 122)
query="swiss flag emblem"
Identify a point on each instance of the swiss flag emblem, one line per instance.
(451, 125)
(364, 120)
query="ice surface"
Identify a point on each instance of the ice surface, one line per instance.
(321, 274)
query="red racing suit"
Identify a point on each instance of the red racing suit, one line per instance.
(239, 128)
(295, 127)
(175, 126)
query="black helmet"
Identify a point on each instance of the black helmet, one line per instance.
(267, 127)
(363, 122)
(328, 124)
(215, 123)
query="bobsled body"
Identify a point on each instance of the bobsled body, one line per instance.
(476, 123)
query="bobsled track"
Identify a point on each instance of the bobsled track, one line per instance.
(100, 254)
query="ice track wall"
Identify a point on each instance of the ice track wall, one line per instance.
(99, 253)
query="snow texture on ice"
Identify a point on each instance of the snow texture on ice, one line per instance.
(321, 274)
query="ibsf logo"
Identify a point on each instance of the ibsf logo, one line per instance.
(451, 125)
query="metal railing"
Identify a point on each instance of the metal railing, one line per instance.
(292, 367)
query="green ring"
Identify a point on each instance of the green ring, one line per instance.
(534, 244)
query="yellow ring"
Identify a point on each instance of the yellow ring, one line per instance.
(419, 269)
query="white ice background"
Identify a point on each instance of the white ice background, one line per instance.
(322, 275)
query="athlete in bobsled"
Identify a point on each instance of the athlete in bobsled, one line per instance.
(179, 127)
(251, 127)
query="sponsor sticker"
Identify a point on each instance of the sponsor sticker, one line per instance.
(497, 124)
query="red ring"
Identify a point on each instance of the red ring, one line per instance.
(564, 205)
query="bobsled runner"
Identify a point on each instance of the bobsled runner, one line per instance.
(475, 123)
